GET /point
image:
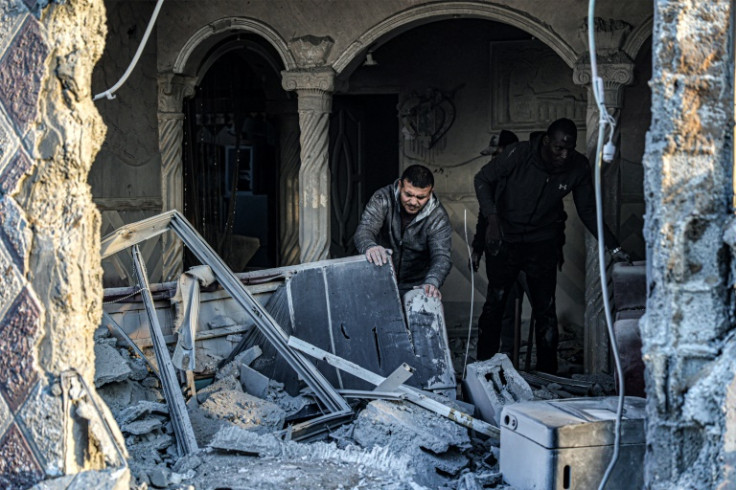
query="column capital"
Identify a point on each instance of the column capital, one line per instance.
(616, 71)
(318, 79)
(172, 90)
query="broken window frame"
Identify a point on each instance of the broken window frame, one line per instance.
(134, 233)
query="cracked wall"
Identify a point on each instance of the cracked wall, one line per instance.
(51, 295)
(687, 333)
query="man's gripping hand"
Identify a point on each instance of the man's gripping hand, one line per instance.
(377, 255)
(431, 291)
(475, 260)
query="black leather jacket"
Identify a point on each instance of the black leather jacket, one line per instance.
(422, 254)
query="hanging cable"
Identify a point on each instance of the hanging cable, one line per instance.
(472, 293)
(606, 154)
(110, 93)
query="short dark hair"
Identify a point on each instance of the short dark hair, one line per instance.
(418, 176)
(564, 126)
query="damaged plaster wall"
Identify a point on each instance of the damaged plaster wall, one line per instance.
(49, 241)
(687, 333)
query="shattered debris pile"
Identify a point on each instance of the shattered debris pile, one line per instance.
(309, 376)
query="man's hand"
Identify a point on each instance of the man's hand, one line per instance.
(376, 255)
(430, 290)
(475, 260)
(493, 233)
(619, 255)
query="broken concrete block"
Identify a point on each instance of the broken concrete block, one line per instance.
(235, 439)
(226, 383)
(433, 443)
(109, 365)
(143, 407)
(491, 385)
(253, 382)
(159, 477)
(244, 410)
(112, 479)
(140, 427)
(229, 369)
(248, 356)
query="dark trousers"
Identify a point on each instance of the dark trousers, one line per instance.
(539, 263)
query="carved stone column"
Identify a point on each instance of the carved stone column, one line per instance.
(616, 70)
(288, 184)
(314, 88)
(172, 90)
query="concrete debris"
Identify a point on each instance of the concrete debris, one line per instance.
(434, 444)
(111, 479)
(236, 439)
(490, 385)
(253, 382)
(110, 366)
(226, 383)
(140, 427)
(244, 410)
(143, 407)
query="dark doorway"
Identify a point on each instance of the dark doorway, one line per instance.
(231, 162)
(364, 156)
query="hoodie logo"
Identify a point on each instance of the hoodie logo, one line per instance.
(562, 187)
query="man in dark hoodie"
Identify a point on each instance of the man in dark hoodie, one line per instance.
(520, 194)
(408, 219)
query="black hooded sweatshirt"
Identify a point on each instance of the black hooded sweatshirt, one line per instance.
(527, 194)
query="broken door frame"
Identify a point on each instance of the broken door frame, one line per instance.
(134, 233)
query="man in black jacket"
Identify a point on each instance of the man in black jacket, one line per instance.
(407, 218)
(520, 194)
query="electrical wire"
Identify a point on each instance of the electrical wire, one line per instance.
(109, 93)
(605, 120)
(472, 293)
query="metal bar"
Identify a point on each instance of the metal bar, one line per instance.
(185, 440)
(396, 379)
(311, 429)
(372, 395)
(133, 345)
(413, 395)
(265, 323)
(131, 234)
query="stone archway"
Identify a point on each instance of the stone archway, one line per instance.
(178, 84)
(441, 10)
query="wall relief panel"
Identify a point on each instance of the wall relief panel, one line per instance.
(532, 86)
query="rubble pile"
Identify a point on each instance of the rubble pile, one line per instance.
(391, 444)
(256, 392)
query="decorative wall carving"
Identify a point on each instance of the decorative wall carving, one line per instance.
(531, 87)
(311, 51)
(610, 34)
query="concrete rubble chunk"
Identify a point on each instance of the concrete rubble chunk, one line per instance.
(244, 410)
(434, 444)
(110, 366)
(112, 479)
(226, 383)
(140, 427)
(159, 477)
(248, 356)
(491, 385)
(236, 439)
(253, 382)
(143, 407)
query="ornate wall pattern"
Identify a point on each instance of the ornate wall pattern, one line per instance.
(22, 65)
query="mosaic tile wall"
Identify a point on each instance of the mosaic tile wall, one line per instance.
(23, 51)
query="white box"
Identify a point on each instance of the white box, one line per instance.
(568, 443)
